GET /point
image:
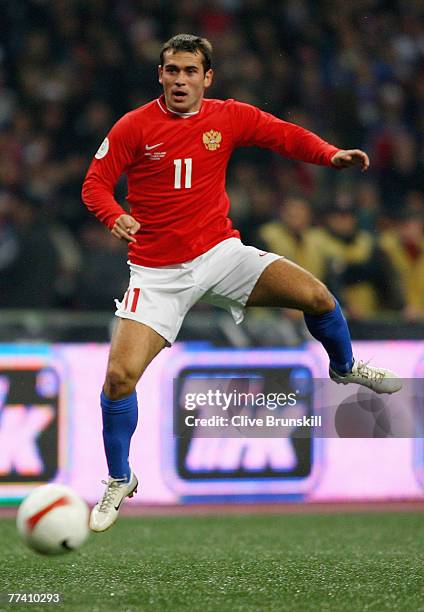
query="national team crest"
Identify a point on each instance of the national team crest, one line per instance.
(212, 140)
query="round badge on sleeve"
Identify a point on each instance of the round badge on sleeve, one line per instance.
(103, 149)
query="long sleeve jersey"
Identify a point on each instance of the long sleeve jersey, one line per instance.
(176, 167)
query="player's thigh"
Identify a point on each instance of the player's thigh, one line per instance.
(285, 284)
(133, 347)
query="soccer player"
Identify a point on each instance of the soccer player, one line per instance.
(182, 245)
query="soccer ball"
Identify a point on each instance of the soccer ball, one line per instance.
(53, 519)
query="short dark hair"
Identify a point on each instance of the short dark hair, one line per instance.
(191, 44)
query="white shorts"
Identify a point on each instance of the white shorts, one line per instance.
(223, 276)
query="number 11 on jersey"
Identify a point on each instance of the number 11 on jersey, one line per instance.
(178, 163)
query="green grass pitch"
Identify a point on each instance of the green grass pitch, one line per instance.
(294, 563)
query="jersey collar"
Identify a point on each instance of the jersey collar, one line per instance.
(161, 103)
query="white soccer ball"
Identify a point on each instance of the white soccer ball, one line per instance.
(53, 519)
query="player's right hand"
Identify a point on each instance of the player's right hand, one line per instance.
(125, 227)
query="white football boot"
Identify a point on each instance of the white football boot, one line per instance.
(377, 379)
(106, 511)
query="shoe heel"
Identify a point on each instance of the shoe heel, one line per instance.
(133, 492)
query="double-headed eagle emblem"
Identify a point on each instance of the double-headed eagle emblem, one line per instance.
(212, 140)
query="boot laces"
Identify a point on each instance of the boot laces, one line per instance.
(112, 485)
(369, 372)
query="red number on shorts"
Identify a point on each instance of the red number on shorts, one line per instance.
(136, 295)
(135, 299)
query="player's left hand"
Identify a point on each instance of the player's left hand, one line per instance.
(125, 227)
(351, 157)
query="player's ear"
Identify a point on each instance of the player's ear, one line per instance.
(208, 78)
(160, 72)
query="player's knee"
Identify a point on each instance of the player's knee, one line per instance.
(119, 382)
(321, 299)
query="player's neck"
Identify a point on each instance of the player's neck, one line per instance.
(183, 114)
(162, 103)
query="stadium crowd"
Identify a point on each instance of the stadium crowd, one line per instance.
(351, 72)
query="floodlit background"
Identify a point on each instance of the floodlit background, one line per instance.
(353, 73)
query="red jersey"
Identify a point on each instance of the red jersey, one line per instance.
(176, 167)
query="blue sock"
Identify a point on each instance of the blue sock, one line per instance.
(332, 331)
(119, 423)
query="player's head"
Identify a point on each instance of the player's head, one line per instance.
(188, 43)
(185, 71)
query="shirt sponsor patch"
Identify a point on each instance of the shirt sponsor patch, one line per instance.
(103, 149)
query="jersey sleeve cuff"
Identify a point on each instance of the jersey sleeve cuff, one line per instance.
(331, 154)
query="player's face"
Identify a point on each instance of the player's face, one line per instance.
(184, 81)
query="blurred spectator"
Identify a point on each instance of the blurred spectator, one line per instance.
(261, 210)
(104, 275)
(369, 205)
(353, 265)
(291, 234)
(30, 255)
(404, 243)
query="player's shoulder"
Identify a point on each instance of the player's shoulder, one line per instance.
(241, 113)
(131, 123)
(217, 102)
(136, 114)
(214, 104)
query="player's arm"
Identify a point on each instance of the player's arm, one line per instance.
(251, 126)
(115, 154)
